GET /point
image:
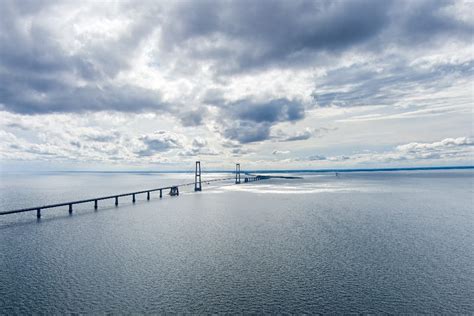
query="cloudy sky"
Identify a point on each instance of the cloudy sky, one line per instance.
(125, 85)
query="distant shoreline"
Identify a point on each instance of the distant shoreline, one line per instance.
(365, 169)
(267, 171)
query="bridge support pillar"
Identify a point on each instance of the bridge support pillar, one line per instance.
(116, 201)
(70, 208)
(133, 198)
(174, 191)
(95, 204)
(38, 213)
(148, 195)
(197, 177)
(237, 173)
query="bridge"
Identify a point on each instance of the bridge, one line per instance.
(173, 191)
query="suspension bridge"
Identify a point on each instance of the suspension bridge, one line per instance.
(170, 190)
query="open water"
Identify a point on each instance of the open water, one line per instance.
(366, 242)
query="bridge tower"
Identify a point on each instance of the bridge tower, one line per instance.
(237, 173)
(197, 177)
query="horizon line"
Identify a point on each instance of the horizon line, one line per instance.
(260, 170)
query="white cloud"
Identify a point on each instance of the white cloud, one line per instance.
(451, 149)
(445, 144)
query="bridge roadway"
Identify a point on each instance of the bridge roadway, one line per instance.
(95, 200)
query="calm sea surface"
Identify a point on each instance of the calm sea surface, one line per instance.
(362, 242)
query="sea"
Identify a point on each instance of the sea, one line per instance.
(346, 242)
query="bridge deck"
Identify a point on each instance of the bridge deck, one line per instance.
(115, 196)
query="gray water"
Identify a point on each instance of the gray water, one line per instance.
(361, 242)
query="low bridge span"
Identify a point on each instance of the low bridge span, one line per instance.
(172, 190)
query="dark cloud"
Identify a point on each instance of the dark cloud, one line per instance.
(26, 97)
(304, 135)
(193, 118)
(248, 132)
(29, 42)
(158, 142)
(247, 121)
(362, 84)
(258, 33)
(213, 96)
(425, 20)
(279, 110)
(237, 36)
(38, 75)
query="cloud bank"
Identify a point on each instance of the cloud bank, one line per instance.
(231, 78)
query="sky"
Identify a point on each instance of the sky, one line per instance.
(150, 85)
